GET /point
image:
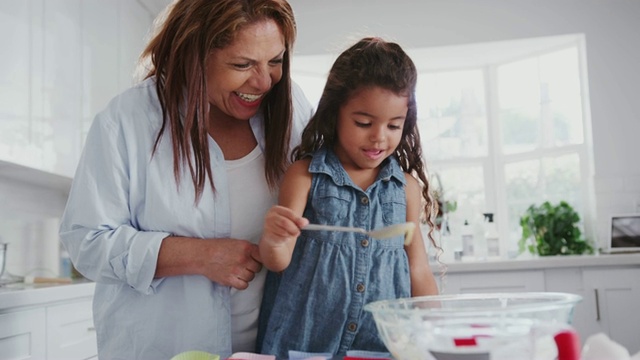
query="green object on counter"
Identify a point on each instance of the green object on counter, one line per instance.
(196, 355)
(552, 230)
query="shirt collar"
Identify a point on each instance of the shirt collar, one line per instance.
(327, 162)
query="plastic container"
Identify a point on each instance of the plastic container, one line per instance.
(475, 326)
(491, 236)
(467, 240)
(65, 265)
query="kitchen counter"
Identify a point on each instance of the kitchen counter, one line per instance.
(543, 262)
(23, 295)
(27, 295)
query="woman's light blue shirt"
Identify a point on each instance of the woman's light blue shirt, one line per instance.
(123, 203)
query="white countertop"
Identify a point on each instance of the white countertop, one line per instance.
(542, 262)
(22, 295)
(26, 295)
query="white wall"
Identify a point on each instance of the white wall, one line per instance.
(611, 28)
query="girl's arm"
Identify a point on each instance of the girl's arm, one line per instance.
(422, 280)
(283, 222)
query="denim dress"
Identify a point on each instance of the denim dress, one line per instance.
(316, 304)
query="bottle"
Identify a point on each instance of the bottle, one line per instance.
(467, 240)
(65, 264)
(491, 236)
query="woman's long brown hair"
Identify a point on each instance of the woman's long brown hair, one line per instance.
(177, 56)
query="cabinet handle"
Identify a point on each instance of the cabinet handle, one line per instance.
(597, 305)
(91, 329)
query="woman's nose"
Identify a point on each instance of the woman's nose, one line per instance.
(261, 79)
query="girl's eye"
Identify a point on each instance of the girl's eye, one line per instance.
(395, 127)
(362, 125)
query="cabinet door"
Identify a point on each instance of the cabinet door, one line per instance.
(492, 282)
(570, 280)
(614, 295)
(22, 335)
(70, 331)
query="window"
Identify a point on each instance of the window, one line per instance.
(503, 126)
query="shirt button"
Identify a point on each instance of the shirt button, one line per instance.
(360, 287)
(364, 243)
(364, 200)
(352, 326)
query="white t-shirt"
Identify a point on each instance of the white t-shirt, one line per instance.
(250, 198)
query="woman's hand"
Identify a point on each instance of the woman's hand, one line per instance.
(233, 263)
(229, 262)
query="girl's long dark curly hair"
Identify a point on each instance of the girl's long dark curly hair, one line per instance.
(177, 55)
(372, 62)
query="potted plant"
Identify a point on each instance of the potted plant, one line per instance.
(552, 230)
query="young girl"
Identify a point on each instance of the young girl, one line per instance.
(356, 166)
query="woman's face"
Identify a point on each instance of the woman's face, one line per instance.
(239, 75)
(369, 127)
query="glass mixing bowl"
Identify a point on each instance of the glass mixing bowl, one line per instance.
(473, 326)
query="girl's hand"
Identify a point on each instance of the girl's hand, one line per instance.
(282, 225)
(281, 229)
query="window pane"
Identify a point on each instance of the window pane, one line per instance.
(540, 102)
(519, 98)
(464, 185)
(534, 181)
(452, 114)
(561, 102)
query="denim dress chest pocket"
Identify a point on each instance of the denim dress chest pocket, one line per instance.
(331, 203)
(394, 205)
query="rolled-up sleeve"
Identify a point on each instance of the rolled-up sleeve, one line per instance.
(96, 227)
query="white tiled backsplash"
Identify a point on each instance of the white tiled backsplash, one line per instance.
(29, 221)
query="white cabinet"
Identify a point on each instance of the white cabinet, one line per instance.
(22, 335)
(47, 323)
(66, 60)
(609, 287)
(613, 296)
(70, 331)
(610, 298)
(492, 282)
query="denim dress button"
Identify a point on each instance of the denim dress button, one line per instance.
(360, 287)
(364, 200)
(352, 326)
(364, 243)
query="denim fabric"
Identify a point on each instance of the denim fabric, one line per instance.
(316, 304)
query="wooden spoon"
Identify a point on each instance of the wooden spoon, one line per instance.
(390, 231)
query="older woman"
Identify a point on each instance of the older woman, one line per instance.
(169, 198)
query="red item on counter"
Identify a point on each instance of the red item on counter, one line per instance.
(568, 343)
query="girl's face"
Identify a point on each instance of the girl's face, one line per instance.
(369, 127)
(240, 74)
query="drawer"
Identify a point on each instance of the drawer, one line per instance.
(70, 331)
(22, 335)
(497, 282)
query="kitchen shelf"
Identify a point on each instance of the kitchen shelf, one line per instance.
(32, 176)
